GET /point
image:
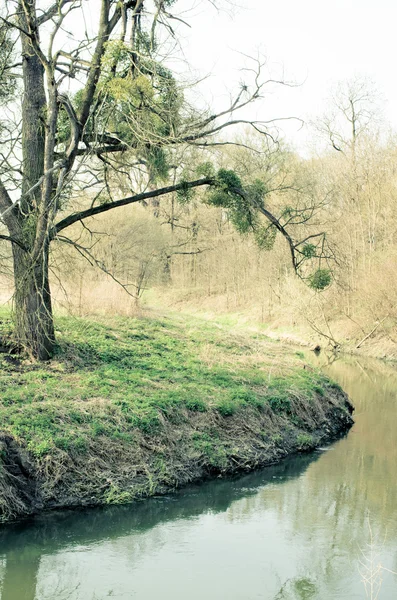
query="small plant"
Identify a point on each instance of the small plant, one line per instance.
(196, 404)
(277, 439)
(63, 443)
(205, 169)
(116, 496)
(212, 448)
(304, 441)
(40, 449)
(265, 237)
(227, 407)
(279, 403)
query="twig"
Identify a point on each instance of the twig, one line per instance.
(371, 332)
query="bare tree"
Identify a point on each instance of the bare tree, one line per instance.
(353, 112)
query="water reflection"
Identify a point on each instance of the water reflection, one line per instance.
(295, 531)
(24, 544)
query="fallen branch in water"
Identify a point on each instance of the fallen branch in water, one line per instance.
(371, 332)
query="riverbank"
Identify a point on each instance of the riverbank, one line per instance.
(378, 341)
(134, 407)
(374, 336)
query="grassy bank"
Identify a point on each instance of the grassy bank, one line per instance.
(133, 407)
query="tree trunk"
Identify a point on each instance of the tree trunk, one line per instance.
(34, 324)
(33, 117)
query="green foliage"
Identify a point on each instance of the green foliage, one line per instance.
(224, 191)
(277, 439)
(279, 403)
(218, 197)
(117, 55)
(206, 169)
(185, 194)
(144, 42)
(287, 212)
(158, 163)
(309, 250)
(226, 407)
(265, 237)
(212, 448)
(41, 448)
(305, 441)
(227, 180)
(138, 101)
(320, 279)
(116, 496)
(196, 404)
(257, 191)
(229, 194)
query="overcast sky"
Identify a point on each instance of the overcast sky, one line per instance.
(314, 42)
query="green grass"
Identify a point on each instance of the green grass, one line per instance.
(111, 377)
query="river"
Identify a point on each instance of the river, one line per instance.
(315, 527)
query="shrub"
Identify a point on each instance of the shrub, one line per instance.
(279, 403)
(304, 441)
(196, 404)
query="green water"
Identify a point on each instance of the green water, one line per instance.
(310, 529)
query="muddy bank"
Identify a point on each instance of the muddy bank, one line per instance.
(189, 446)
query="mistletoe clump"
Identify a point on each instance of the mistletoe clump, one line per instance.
(265, 237)
(320, 279)
(228, 193)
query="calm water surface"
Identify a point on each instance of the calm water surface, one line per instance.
(309, 529)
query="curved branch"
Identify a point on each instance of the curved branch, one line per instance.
(52, 11)
(75, 129)
(274, 221)
(9, 238)
(85, 253)
(96, 210)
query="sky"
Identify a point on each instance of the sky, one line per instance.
(314, 43)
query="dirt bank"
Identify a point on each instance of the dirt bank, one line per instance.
(198, 446)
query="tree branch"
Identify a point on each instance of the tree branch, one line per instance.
(9, 238)
(96, 210)
(8, 214)
(270, 217)
(52, 11)
(85, 253)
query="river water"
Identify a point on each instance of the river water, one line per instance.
(313, 528)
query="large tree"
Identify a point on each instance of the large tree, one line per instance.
(94, 110)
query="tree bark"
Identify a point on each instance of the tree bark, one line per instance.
(33, 116)
(34, 324)
(32, 300)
